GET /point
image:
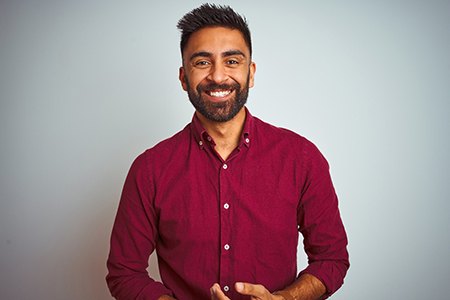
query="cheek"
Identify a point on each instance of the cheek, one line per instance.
(242, 77)
(196, 78)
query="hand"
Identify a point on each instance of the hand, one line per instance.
(255, 291)
(166, 297)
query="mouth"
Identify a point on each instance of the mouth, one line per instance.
(218, 94)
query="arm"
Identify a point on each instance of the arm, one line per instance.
(306, 287)
(166, 297)
(133, 239)
(319, 221)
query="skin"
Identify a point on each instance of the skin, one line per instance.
(307, 287)
(220, 55)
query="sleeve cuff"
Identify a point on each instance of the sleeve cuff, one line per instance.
(153, 291)
(329, 274)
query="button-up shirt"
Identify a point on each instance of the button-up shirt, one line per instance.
(211, 220)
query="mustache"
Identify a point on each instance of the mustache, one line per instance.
(214, 86)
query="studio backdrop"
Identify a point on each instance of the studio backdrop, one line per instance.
(86, 86)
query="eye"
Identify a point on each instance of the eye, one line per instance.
(202, 63)
(232, 62)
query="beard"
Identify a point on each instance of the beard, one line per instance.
(218, 111)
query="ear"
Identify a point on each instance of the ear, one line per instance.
(251, 77)
(181, 77)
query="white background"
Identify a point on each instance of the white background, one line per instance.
(85, 86)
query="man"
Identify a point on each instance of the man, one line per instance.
(222, 201)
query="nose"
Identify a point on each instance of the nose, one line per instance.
(217, 73)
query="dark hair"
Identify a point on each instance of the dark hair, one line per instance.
(210, 15)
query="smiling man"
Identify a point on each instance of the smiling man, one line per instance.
(217, 72)
(223, 201)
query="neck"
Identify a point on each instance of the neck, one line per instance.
(227, 134)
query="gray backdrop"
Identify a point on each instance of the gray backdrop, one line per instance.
(85, 86)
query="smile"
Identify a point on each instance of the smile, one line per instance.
(219, 93)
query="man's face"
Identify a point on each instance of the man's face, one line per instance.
(217, 72)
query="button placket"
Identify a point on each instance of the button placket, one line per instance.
(226, 256)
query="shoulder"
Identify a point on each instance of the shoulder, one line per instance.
(171, 144)
(274, 134)
(288, 143)
(164, 150)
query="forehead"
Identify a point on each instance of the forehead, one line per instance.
(216, 40)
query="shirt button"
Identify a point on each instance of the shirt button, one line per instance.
(209, 139)
(200, 143)
(247, 140)
(226, 288)
(226, 206)
(226, 247)
(225, 166)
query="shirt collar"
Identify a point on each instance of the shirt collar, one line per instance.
(203, 138)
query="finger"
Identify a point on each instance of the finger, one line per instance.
(213, 289)
(255, 290)
(212, 292)
(216, 293)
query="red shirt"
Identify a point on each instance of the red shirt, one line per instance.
(225, 221)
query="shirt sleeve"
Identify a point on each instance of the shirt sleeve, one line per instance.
(133, 239)
(324, 237)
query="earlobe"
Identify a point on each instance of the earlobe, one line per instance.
(182, 78)
(252, 71)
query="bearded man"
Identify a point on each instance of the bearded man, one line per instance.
(223, 201)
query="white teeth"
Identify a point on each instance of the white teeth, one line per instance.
(220, 94)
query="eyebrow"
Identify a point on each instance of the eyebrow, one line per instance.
(224, 54)
(232, 53)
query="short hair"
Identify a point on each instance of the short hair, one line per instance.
(211, 15)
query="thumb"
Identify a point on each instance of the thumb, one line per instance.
(255, 290)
